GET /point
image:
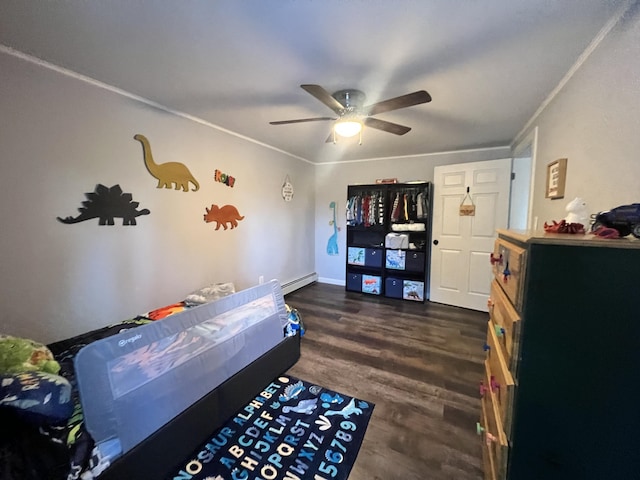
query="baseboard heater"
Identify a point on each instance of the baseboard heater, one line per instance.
(293, 285)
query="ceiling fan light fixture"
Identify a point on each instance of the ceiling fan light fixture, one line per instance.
(347, 128)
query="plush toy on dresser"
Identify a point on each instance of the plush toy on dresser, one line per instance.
(577, 212)
(576, 220)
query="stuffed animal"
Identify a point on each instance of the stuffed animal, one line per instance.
(30, 384)
(577, 212)
(19, 355)
(294, 322)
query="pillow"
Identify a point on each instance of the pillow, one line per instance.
(209, 293)
(39, 396)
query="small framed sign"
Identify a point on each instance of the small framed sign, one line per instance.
(556, 178)
(467, 209)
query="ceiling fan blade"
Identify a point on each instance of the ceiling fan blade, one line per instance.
(302, 120)
(324, 96)
(403, 101)
(386, 126)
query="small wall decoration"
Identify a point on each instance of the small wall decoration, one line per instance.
(106, 204)
(467, 209)
(287, 189)
(332, 244)
(556, 177)
(169, 173)
(220, 177)
(222, 216)
(386, 180)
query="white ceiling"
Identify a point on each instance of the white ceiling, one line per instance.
(238, 64)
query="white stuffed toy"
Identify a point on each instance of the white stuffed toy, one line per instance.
(577, 212)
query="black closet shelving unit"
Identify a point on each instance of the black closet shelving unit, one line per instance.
(388, 238)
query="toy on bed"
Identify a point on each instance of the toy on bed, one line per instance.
(32, 395)
(29, 382)
(19, 355)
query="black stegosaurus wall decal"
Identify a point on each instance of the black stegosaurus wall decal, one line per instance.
(106, 204)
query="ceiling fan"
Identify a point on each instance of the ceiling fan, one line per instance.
(352, 114)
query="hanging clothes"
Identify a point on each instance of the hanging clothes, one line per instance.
(358, 210)
(405, 207)
(373, 205)
(349, 212)
(381, 211)
(366, 200)
(413, 207)
(395, 211)
(366, 209)
(425, 205)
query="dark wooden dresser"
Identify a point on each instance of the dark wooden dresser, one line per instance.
(561, 390)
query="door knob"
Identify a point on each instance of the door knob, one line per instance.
(435, 242)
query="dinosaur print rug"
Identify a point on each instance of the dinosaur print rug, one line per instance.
(291, 430)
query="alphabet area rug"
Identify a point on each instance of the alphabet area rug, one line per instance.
(292, 430)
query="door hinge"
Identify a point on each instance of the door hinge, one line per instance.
(513, 175)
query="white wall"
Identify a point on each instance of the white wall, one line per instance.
(594, 121)
(331, 185)
(520, 189)
(59, 137)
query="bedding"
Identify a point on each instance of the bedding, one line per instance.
(40, 397)
(179, 362)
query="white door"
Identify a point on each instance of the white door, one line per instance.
(461, 245)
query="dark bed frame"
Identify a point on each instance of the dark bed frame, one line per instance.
(162, 453)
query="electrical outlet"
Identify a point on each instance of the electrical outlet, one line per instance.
(261, 279)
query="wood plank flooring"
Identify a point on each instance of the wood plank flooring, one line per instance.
(419, 363)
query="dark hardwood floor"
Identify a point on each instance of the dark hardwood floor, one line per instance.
(419, 363)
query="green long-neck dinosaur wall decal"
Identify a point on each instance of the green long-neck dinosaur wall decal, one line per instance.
(167, 173)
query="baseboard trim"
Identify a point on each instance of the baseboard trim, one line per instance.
(332, 281)
(298, 283)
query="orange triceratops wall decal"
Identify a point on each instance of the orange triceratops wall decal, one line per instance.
(222, 216)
